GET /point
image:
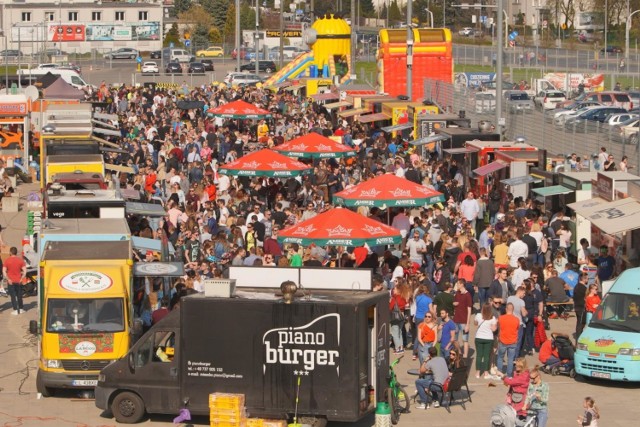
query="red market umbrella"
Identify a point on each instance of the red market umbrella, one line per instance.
(388, 191)
(239, 110)
(340, 227)
(314, 145)
(265, 163)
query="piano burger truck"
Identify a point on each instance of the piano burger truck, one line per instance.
(322, 350)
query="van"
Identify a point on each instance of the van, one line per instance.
(615, 99)
(180, 55)
(609, 346)
(70, 76)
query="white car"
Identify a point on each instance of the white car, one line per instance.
(238, 78)
(466, 31)
(150, 68)
(549, 99)
(627, 132)
(560, 117)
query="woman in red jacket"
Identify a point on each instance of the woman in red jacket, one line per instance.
(518, 385)
(397, 299)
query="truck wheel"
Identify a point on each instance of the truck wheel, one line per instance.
(127, 408)
(41, 388)
(268, 71)
(633, 139)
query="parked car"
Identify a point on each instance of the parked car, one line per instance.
(211, 52)
(122, 53)
(560, 117)
(173, 67)
(627, 131)
(634, 96)
(611, 49)
(150, 68)
(240, 78)
(195, 68)
(518, 101)
(592, 119)
(619, 118)
(549, 99)
(264, 66)
(613, 98)
(11, 53)
(466, 31)
(243, 52)
(250, 54)
(156, 54)
(485, 102)
(208, 64)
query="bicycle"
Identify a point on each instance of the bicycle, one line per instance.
(396, 394)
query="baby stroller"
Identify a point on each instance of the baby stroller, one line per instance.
(564, 346)
(504, 415)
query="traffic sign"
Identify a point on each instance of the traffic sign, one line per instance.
(171, 45)
(187, 43)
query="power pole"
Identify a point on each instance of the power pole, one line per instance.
(409, 50)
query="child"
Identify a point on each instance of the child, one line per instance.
(591, 413)
(592, 301)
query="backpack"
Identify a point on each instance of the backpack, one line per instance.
(544, 246)
(212, 226)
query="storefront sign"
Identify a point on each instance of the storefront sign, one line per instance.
(14, 108)
(287, 33)
(603, 187)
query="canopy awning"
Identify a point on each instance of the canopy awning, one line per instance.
(461, 150)
(373, 117)
(554, 190)
(293, 87)
(490, 168)
(520, 180)
(428, 139)
(119, 168)
(324, 96)
(353, 112)
(283, 84)
(337, 105)
(611, 217)
(397, 128)
(143, 244)
(146, 209)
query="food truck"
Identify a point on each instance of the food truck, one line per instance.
(322, 350)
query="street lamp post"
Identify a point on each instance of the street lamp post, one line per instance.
(626, 36)
(430, 15)
(237, 35)
(499, 48)
(409, 50)
(256, 35)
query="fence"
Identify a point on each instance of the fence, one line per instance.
(537, 127)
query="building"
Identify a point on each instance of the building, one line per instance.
(82, 26)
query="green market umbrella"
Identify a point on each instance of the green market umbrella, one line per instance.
(265, 163)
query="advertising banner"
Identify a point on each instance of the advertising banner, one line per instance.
(66, 33)
(28, 34)
(126, 32)
(474, 80)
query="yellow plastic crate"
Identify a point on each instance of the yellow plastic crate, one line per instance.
(274, 423)
(226, 424)
(254, 422)
(226, 401)
(226, 413)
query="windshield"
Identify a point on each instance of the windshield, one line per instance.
(519, 97)
(85, 315)
(618, 312)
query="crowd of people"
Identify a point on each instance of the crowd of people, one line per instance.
(494, 261)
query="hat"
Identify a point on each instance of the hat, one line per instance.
(500, 216)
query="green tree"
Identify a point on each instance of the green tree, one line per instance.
(229, 30)
(215, 36)
(394, 12)
(219, 12)
(180, 6)
(367, 10)
(200, 36)
(172, 36)
(247, 17)
(194, 16)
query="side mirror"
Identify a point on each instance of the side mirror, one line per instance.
(33, 327)
(131, 362)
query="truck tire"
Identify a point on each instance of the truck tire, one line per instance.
(41, 388)
(127, 408)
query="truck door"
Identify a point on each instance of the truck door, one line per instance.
(156, 371)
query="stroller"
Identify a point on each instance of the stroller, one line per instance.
(504, 415)
(564, 346)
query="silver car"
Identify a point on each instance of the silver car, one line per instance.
(518, 101)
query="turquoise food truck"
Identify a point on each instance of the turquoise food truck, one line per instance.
(609, 346)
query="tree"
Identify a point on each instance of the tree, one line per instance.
(172, 36)
(200, 36)
(215, 36)
(219, 12)
(230, 22)
(194, 16)
(247, 17)
(394, 12)
(180, 6)
(367, 10)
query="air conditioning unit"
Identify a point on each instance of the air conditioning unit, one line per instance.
(219, 288)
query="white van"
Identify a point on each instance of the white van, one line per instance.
(69, 76)
(180, 55)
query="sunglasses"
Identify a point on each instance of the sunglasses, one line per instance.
(533, 377)
(428, 317)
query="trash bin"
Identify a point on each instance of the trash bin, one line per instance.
(383, 415)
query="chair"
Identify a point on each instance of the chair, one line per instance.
(456, 382)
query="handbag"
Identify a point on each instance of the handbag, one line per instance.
(445, 386)
(517, 397)
(397, 316)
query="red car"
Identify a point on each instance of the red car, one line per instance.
(243, 53)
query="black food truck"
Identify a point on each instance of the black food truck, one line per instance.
(334, 342)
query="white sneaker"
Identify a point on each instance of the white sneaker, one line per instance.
(436, 404)
(22, 310)
(421, 406)
(15, 312)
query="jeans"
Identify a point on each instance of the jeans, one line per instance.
(510, 349)
(15, 292)
(588, 317)
(527, 340)
(543, 416)
(483, 354)
(396, 335)
(483, 296)
(423, 384)
(423, 352)
(580, 322)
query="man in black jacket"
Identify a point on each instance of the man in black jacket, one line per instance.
(579, 295)
(500, 289)
(532, 245)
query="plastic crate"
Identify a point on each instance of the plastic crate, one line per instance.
(274, 423)
(226, 401)
(216, 423)
(227, 413)
(254, 422)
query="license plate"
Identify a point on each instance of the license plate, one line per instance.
(596, 374)
(85, 383)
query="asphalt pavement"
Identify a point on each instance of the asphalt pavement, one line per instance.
(20, 405)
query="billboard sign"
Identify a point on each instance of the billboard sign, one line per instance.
(126, 32)
(66, 33)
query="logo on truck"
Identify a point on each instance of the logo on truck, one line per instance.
(85, 348)
(304, 347)
(86, 282)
